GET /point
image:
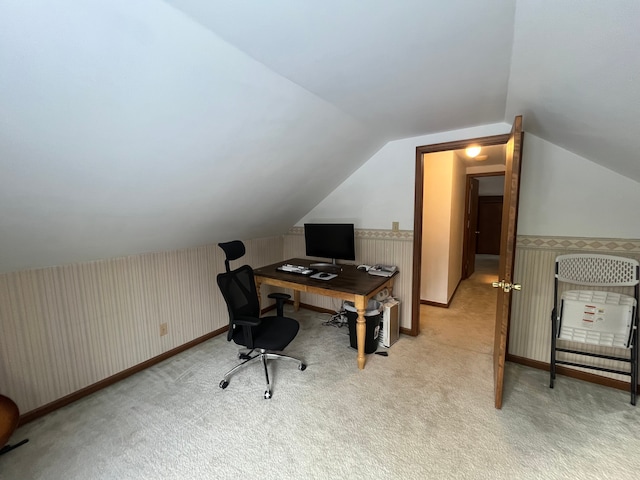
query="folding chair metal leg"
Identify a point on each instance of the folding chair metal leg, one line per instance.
(634, 366)
(552, 363)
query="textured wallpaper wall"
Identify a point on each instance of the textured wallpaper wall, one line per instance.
(65, 328)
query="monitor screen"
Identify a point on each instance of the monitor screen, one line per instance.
(330, 240)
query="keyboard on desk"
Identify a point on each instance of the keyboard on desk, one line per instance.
(287, 267)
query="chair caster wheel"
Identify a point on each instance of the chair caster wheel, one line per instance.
(302, 367)
(224, 384)
(267, 394)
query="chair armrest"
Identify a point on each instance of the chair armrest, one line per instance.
(248, 321)
(280, 298)
(247, 324)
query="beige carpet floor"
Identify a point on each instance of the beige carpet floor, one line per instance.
(424, 412)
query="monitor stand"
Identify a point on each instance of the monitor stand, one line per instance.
(333, 264)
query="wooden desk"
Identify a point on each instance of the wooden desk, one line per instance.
(351, 284)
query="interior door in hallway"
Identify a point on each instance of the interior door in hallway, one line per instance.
(471, 227)
(507, 254)
(489, 224)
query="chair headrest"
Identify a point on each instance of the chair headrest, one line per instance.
(232, 250)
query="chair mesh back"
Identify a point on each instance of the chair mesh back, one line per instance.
(239, 291)
(602, 270)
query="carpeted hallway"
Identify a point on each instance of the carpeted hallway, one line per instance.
(425, 411)
(469, 321)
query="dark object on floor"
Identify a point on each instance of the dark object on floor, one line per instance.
(382, 354)
(372, 316)
(9, 416)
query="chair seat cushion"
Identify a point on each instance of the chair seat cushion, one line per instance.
(273, 333)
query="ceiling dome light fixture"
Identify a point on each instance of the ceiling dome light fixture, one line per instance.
(472, 151)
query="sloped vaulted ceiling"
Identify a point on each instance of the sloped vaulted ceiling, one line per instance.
(402, 68)
(575, 76)
(135, 126)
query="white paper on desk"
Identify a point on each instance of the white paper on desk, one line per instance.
(382, 270)
(328, 277)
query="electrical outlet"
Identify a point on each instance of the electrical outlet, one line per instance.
(395, 226)
(163, 329)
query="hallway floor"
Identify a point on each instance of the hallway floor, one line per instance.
(469, 321)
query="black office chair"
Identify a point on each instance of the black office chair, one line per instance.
(267, 335)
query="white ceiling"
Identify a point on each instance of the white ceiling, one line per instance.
(129, 127)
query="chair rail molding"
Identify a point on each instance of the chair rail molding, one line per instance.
(601, 245)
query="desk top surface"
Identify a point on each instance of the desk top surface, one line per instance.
(349, 279)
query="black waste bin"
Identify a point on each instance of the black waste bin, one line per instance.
(372, 316)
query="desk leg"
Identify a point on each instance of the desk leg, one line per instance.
(296, 300)
(361, 329)
(259, 296)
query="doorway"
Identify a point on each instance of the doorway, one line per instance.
(483, 218)
(444, 235)
(506, 283)
(462, 213)
(418, 211)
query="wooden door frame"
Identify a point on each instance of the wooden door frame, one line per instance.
(466, 213)
(418, 211)
(467, 236)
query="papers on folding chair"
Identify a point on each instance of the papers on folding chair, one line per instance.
(597, 318)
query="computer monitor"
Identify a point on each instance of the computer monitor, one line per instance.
(330, 240)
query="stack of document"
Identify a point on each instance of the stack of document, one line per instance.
(382, 270)
(287, 267)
